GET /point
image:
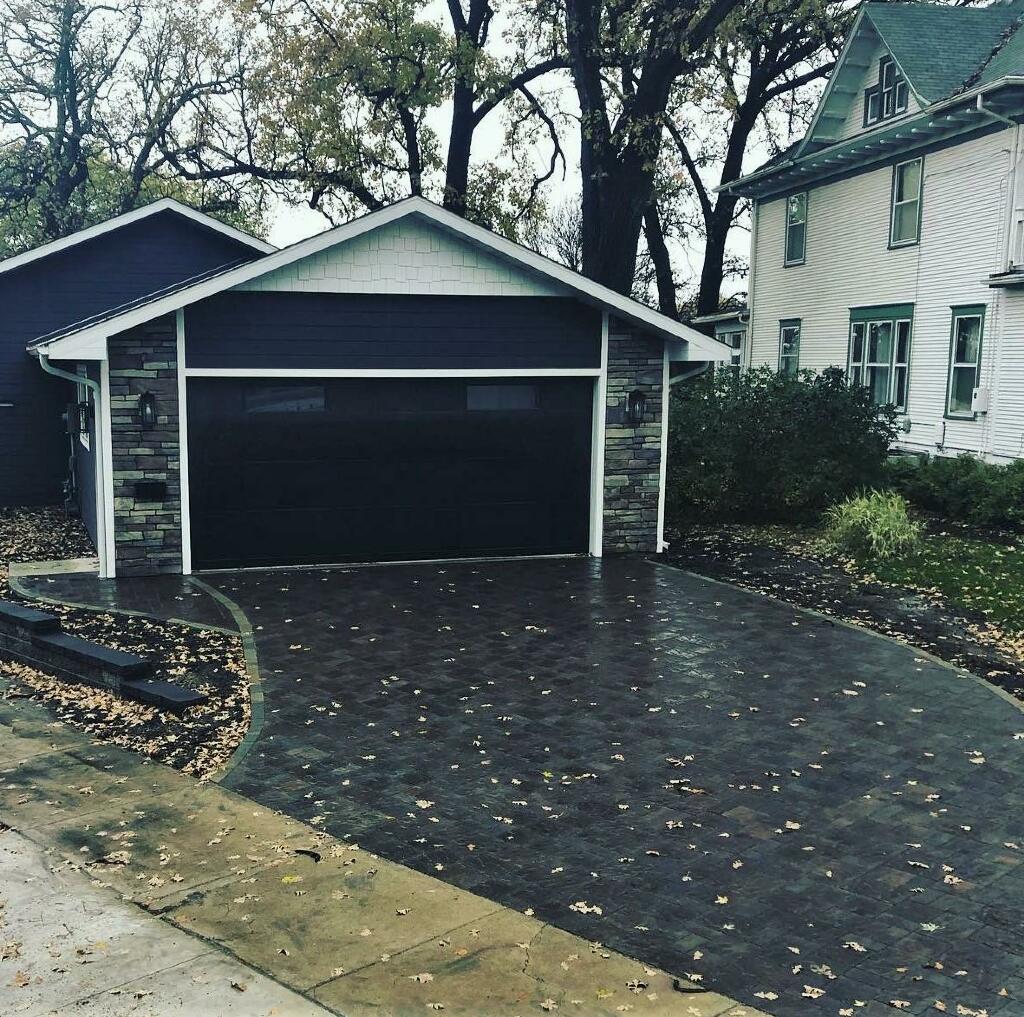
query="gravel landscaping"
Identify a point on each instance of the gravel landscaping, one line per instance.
(201, 740)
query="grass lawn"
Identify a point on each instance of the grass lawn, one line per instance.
(977, 574)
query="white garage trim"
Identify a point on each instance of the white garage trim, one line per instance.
(597, 449)
(108, 559)
(400, 372)
(186, 523)
(666, 392)
(599, 374)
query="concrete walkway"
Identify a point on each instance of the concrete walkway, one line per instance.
(131, 889)
(71, 947)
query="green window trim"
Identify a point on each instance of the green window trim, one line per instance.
(961, 312)
(794, 250)
(878, 352)
(789, 359)
(897, 204)
(888, 97)
(877, 311)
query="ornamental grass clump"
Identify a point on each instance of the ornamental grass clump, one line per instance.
(873, 525)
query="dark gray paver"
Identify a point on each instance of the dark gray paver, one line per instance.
(744, 790)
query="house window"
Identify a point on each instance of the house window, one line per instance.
(796, 228)
(287, 398)
(879, 355)
(964, 359)
(789, 346)
(734, 340)
(502, 397)
(82, 396)
(905, 221)
(888, 97)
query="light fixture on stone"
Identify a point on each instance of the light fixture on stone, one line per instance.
(636, 407)
(147, 410)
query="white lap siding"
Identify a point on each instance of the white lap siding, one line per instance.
(848, 264)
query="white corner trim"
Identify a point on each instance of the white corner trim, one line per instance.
(183, 489)
(163, 205)
(108, 559)
(666, 394)
(385, 372)
(600, 412)
(588, 290)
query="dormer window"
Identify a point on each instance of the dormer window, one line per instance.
(887, 98)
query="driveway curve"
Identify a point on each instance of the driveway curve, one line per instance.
(803, 816)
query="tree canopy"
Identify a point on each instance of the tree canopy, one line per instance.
(596, 129)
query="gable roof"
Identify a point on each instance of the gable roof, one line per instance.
(949, 56)
(88, 339)
(941, 48)
(135, 215)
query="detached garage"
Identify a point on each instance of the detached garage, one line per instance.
(405, 387)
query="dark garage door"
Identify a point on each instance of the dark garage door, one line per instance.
(309, 471)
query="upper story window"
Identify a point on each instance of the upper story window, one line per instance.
(796, 228)
(888, 97)
(905, 218)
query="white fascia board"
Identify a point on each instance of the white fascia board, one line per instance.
(144, 212)
(833, 77)
(701, 347)
(75, 347)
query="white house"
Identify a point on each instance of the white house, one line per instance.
(890, 241)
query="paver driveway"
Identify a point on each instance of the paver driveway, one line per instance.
(806, 816)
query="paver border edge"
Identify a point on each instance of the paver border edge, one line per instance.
(257, 712)
(15, 583)
(961, 672)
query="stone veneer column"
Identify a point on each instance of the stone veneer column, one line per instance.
(147, 535)
(632, 455)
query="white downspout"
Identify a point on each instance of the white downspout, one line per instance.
(101, 516)
(748, 353)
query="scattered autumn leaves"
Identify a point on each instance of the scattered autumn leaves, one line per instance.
(200, 741)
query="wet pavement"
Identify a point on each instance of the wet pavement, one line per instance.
(808, 818)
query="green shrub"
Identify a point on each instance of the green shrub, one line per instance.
(873, 525)
(964, 489)
(761, 446)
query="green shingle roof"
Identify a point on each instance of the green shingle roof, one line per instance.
(941, 49)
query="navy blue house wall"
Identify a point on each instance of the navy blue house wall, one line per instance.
(374, 331)
(58, 290)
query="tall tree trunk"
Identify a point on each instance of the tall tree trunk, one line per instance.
(460, 147)
(655, 235)
(716, 229)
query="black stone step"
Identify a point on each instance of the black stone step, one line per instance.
(163, 695)
(115, 662)
(28, 618)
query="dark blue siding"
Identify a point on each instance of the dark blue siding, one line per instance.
(57, 291)
(355, 330)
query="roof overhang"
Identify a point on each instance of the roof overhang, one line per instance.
(83, 341)
(942, 121)
(135, 215)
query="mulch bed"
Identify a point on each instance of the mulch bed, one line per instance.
(199, 741)
(799, 571)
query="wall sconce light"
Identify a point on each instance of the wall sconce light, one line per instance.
(147, 410)
(636, 407)
(83, 417)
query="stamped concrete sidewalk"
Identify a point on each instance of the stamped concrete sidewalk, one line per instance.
(218, 893)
